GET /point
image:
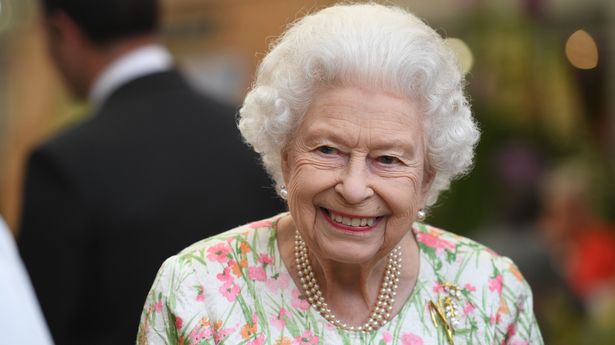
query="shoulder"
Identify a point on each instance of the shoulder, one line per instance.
(253, 242)
(165, 88)
(255, 234)
(495, 297)
(216, 259)
(467, 262)
(431, 238)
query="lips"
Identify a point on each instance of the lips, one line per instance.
(349, 222)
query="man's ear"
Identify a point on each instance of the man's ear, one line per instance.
(63, 29)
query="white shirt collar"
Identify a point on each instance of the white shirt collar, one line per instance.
(132, 65)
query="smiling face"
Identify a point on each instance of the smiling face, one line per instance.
(355, 173)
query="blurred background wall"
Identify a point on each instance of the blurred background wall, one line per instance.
(541, 78)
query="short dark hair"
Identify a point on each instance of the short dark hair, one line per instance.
(105, 21)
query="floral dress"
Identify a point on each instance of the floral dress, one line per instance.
(233, 288)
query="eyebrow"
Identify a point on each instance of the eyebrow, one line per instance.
(318, 132)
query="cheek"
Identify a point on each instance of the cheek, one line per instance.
(405, 197)
(306, 180)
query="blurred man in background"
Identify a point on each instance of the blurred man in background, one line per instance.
(107, 200)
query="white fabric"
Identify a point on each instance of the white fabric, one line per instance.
(134, 64)
(21, 320)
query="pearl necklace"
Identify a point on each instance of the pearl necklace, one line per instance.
(384, 303)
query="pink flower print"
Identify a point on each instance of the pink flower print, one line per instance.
(495, 284)
(200, 297)
(411, 339)
(260, 224)
(468, 308)
(178, 323)
(230, 290)
(469, 287)
(437, 288)
(494, 319)
(225, 276)
(222, 333)
(199, 334)
(278, 281)
(511, 330)
(298, 301)
(260, 340)
(265, 259)
(519, 342)
(306, 338)
(257, 273)
(279, 321)
(219, 252)
(387, 337)
(157, 306)
(433, 241)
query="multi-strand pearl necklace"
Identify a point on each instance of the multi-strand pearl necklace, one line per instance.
(384, 303)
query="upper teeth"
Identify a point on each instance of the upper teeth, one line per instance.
(351, 221)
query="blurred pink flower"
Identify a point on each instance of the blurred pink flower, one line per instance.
(230, 290)
(469, 287)
(225, 276)
(495, 284)
(260, 340)
(199, 334)
(468, 308)
(306, 338)
(265, 259)
(277, 282)
(279, 321)
(434, 241)
(157, 306)
(387, 337)
(257, 273)
(411, 339)
(219, 252)
(222, 333)
(298, 301)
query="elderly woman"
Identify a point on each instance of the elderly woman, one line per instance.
(359, 116)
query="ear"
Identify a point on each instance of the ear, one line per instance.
(429, 175)
(62, 29)
(285, 165)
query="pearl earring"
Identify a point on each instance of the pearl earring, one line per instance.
(283, 193)
(420, 215)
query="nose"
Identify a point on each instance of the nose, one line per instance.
(354, 184)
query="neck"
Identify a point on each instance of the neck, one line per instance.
(351, 290)
(102, 56)
(360, 279)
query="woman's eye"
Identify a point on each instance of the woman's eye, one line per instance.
(328, 150)
(387, 160)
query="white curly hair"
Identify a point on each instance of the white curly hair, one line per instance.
(372, 46)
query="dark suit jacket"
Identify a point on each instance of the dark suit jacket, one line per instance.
(156, 169)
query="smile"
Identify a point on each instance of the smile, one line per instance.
(349, 222)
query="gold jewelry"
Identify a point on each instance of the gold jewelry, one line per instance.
(446, 310)
(384, 303)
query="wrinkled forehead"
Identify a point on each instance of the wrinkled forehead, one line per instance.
(348, 114)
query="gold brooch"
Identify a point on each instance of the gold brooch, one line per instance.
(446, 310)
